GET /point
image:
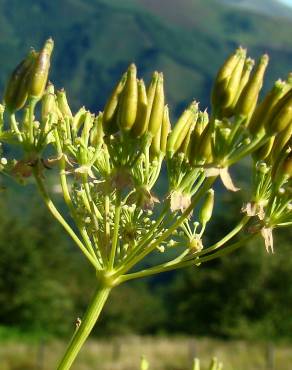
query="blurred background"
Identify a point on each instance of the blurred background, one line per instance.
(238, 308)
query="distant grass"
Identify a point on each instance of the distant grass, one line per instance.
(162, 354)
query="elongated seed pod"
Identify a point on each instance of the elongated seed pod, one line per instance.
(214, 364)
(181, 128)
(63, 104)
(156, 115)
(155, 144)
(127, 108)
(111, 106)
(263, 111)
(40, 70)
(207, 207)
(96, 133)
(78, 119)
(250, 93)
(280, 141)
(281, 120)
(219, 93)
(140, 126)
(165, 129)
(287, 166)
(88, 123)
(200, 126)
(16, 91)
(205, 147)
(264, 151)
(234, 80)
(48, 102)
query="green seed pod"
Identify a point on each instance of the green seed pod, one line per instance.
(155, 144)
(264, 151)
(220, 93)
(214, 364)
(40, 71)
(165, 129)
(207, 207)
(17, 90)
(1, 117)
(264, 110)
(48, 102)
(63, 104)
(287, 167)
(140, 125)
(110, 109)
(78, 120)
(156, 115)
(87, 125)
(281, 139)
(96, 133)
(250, 93)
(205, 147)
(200, 126)
(127, 108)
(181, 128)
(281, 119)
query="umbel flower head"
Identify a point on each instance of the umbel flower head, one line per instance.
(108, 164)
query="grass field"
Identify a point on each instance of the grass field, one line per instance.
(162, 353)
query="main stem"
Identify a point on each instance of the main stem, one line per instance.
(88, 322)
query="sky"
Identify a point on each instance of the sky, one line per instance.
(287, 2)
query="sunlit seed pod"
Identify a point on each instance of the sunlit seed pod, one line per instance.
(111, 106)
(200, 126)
(220, 93)
(234, 80)
(156, 115)
(264, 151)
(205, 148)
(87, 125)
(155, 144)
(127, 107)
(265, 109)
(96, 133)
(48, 102)
(165, 129)
(281, 120)
(281, 139)
(63, 104)
(287, 166)
(40, 70)
(206, 210)
(78, 120)
(140, 126)
(250, 93)
(214, 364)
(181, 128)
(16, 91)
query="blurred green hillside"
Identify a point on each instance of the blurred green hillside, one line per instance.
(97, 39)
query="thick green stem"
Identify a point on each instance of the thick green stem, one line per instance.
(87, 324)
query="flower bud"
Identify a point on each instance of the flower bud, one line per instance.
(141, 124)
(156, 115)
(181, 128)
(207, 207)
(63, 104)
(110, 110)
(165, 129)
(127, 109)
(40, 70)
(17, 87)
(249, 96)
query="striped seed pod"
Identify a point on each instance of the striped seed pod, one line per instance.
(264, 151)
(280, 141)
(140, 126)
(281, 119)
(265, 108)
(220, 93)
(127, 108)
(155, 144)
(40, 71)
(48, 102)
(109, 120)
(156, 115)
(16, 91)
(181, 128)
(96, 133)
(63, 104)
(206, 210)
(200, 126)
(205, 147)
(165, 129)
(249, 96)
